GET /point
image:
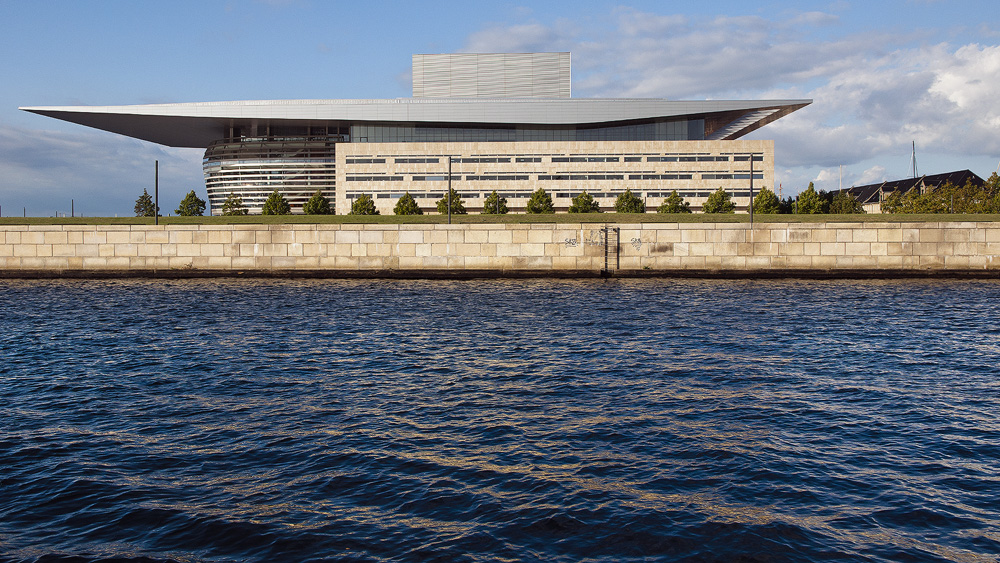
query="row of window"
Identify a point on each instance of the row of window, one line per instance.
(554, 177)
(481, 160)
(526, 195)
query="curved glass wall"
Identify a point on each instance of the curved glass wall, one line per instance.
(253, 167)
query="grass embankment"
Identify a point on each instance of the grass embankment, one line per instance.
(511, 218)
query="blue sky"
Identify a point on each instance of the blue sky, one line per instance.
(883, 74)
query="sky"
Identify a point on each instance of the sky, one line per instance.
(883, 76)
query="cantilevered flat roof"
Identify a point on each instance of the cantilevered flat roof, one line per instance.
(199, 124)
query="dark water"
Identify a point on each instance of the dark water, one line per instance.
(499, 421)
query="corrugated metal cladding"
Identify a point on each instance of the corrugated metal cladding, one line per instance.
(492, 75)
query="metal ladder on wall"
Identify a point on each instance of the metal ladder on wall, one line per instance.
(612, 247)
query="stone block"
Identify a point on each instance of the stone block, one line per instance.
(864, 234)
(890, 235)
(213, 250)
(823, 234)
(860, 248)
(148, 250)
(411, 237)
(422, 250)
(823, 262)
(441, 249)
(725, 249)
(358, 250)
(531, 262)
(508, 250)
(564, 262)
(436, 237)
(799, 235)
(693, 235)
(832, 248)
(476, 236)
(532, 249)
(188, 249)
(220, 237)
(701, 249)
(95, 237)
(779, 234)
(176, 237)
(127, 249)
(668, 235)
(274, 250)
(845, 235)
(370, 237)
(518, 236)
(956, 235)
(541, 236)
(63, 249)
(199, 237)
(501, 237)
(157, 237)
(242, 262)
(811, 249)
(55, 237)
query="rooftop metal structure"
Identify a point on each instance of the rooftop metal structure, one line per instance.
(199, 124)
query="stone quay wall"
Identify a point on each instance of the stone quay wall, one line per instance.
(470, 250)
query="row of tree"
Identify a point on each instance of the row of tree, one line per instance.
(191, 206)
(943, 199)
(948, 198)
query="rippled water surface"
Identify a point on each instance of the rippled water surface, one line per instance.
(545, 420)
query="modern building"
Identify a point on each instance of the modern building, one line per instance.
(871, 196)
(500, 122)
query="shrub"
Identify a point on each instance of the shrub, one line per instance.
(540, 202)
(674, 203)
(845, 203)
(457, 205)
(766, 203)
(191, 206)
(318, 204)
(719, 202)
(495, 205)
(276, 204)
(364, 205)
(629, 203)
(144, 206)
(234, 205)
(810, 202)
(407, 206)
(584, 203)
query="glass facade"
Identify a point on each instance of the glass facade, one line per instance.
(685, 130)
(253, 167)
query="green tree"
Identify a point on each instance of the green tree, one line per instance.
(495, 205)
(191, 206)
(234, 205)
(674, 203)
(893, 203)
(407, 206)
(766, 202)
(144, 206)
(845, 203)
(457, 205)
(810, 202)
(364, 205)
(276, 204)
(540, 202)
(584, 203)
(318, 204)
(787, 206)
(628, 202)
(719, 202)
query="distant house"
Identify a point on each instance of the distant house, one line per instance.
(871, 196)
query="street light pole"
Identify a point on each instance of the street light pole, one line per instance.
(751, 190)
(156, 194)
(449, 190)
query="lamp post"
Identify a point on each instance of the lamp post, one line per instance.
(156, 194)
(449, 189)
(751, 190)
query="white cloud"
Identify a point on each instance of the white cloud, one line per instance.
(873, 93)
(102, 172)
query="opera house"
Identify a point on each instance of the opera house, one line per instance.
(493, 121)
